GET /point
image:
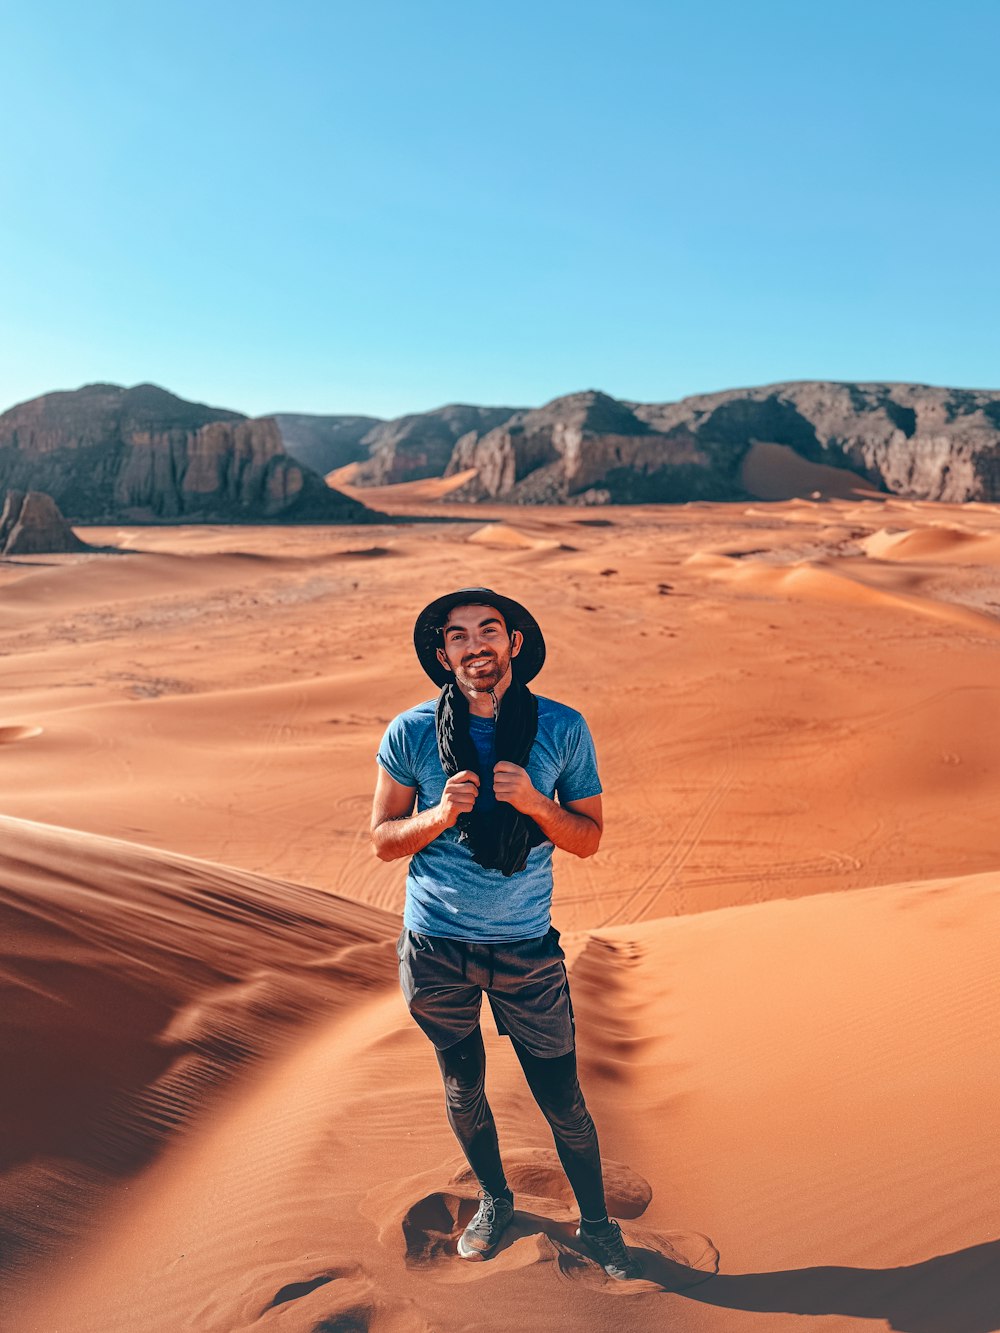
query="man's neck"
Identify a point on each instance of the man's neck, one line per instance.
(481, 701)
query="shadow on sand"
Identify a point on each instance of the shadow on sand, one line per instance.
(953, 1293)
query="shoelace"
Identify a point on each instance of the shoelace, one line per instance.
(486, 1215)
(613, 1244)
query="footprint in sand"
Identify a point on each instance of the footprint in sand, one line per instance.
(351, 1321)
(348, 1301)
(543, 1231)
(294, 1291)
(8, 735)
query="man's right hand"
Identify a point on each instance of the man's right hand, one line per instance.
(459, 796)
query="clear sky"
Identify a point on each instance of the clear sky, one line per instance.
(380, 207)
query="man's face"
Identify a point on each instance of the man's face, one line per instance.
(477, 647)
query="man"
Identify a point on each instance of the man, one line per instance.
(483, 763)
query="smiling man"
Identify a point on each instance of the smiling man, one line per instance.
(499, 777)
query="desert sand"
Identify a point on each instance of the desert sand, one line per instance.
(219, 1116)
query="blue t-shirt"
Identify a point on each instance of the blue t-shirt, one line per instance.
(447, 892)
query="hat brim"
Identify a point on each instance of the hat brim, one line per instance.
(427, 632)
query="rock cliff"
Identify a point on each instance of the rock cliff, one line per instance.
(586, 445)
(918, 440)
(910, 439)
(107, 454)
(110, 454)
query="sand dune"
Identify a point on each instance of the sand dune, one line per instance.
(939, 542)
(776, 472)
(852, 584)
(517, 538)
(749, 726)
(137, 982)
(771, 1097)
(399, 493)
(220, 1117)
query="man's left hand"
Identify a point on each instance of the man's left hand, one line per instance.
(512, 784)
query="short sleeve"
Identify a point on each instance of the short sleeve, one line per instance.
(393, 754)
(579, 778)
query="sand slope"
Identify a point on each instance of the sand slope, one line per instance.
(800, 1093)
(135, 983)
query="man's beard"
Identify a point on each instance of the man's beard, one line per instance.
(487, 679)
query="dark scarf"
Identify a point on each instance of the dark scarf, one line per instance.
(500, 837)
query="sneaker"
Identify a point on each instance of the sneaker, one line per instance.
(483, 1233)
(607, 1245)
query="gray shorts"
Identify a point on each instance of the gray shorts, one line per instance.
(525, 981)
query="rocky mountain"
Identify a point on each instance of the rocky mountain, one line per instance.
(918, 440)
(579, 443)
(421, 445)
(105, 453)
(109, 454)
(910, 439)
(325, 443)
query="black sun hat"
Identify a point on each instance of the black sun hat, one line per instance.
(427, 632)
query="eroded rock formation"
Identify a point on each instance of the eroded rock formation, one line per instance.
(105, 453)
(31, 524)
(910, 439)
(586, 445)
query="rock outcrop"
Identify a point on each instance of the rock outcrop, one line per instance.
(109, 454)
(910, 439)
(918, 440)
(590, 446)
(32, 525)
(421, 445)
(141, 455)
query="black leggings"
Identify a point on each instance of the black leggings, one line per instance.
(554, 1086)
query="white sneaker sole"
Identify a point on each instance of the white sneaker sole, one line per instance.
(466, 1252)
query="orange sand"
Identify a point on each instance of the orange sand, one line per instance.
(219, 1115)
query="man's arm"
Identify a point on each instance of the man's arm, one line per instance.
(395, 832)
(575, 827)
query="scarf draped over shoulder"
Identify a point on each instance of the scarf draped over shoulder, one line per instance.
(498, 836)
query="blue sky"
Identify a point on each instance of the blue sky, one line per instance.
(381, 208)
